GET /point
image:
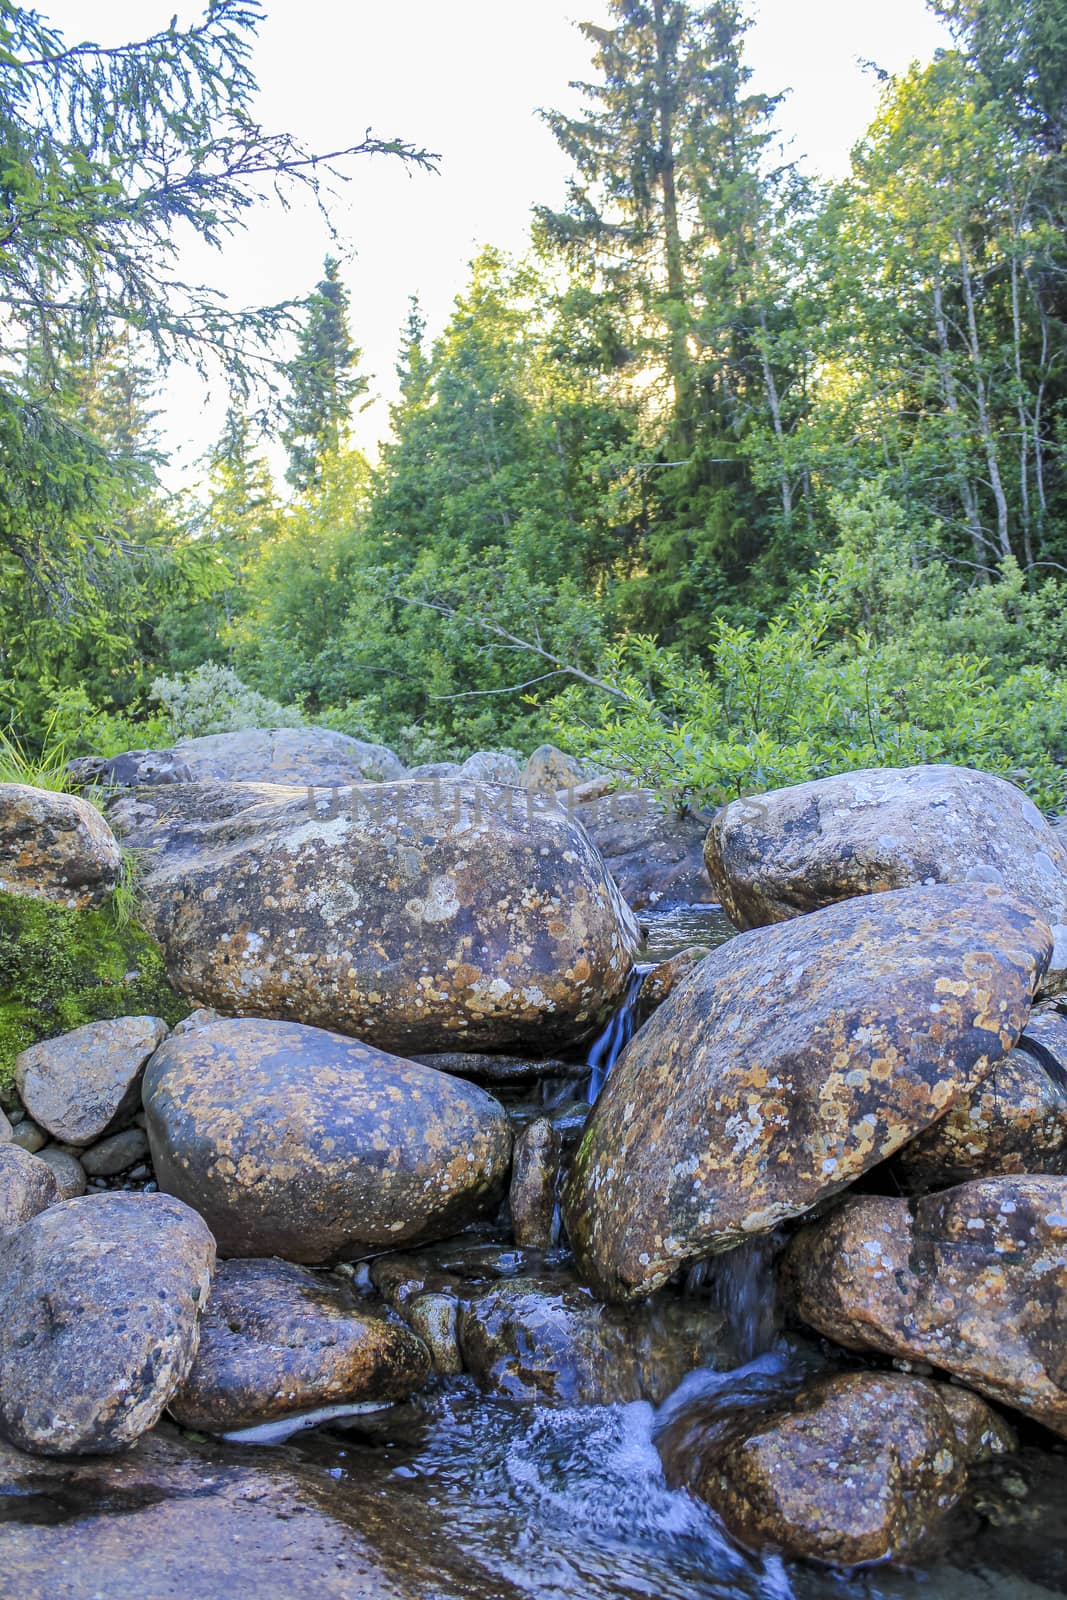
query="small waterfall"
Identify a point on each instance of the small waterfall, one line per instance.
(742, 1284)
(616, 1036)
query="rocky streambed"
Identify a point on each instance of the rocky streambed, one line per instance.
(781, 1314)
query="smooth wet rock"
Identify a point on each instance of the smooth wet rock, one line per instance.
(972, 1280)
(277, 1339)
(27, 1186)
(655, 856)
(780, 854)
(551, 769)
(318, 756)
(55, 847)
(116, 1154)
(102, 1298)
(480, 922)
(1014, 1121)
(311, 1146)
(534, 1175)
(790, 1061)
(857, 1468)
(434, 1318)
(492, 1069)
(491, 766)
(80, 1083)
(67, 1170)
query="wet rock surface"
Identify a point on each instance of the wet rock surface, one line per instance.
(278, 1339)
(794, 850)
(27, 1186)
(788, 1063)
(55, 847)
(1015, 1121)
(138, 1266)
(534, 1176)
(855, 1469)
(418, 921)
(972, 1280)
(308, 1145)
(493, 1069)
(77, 1084)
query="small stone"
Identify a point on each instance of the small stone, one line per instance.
(28, 1136)
(27, 1186)
(68, 1170)
(115, 1153)
(79, 1084)
(434, 1318)
(534, 1175)
(203, 1018)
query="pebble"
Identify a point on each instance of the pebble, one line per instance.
(67, 1171)
(116, 1153)
(28, 1136)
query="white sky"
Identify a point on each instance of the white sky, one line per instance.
(465, 77)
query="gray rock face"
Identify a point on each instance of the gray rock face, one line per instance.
(55, 847)
(787, 1063)
(655, 856)
(781, 854)
(137, 1266)
(972, 1280)
(277, 1339)
(307, 1145)
(856, 1468)
(1014, 1121)
(66, 1169)
(116, 1153)
(427, 771)
(477, 922)
(491, 766)
(78, 1084)
(252, 755)
(27, 1186)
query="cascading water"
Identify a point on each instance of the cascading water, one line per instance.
(741, 1283)
(617, 1035)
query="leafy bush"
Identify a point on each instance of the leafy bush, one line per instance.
(212, 699)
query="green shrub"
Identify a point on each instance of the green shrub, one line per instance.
(212, 699)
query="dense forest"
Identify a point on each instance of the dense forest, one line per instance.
(735, 478)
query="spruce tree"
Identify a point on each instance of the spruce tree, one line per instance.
(323, 382)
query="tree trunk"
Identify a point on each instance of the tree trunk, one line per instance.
(950, 394)
(989, 443)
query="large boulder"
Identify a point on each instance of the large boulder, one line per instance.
(972, 1280)
(654, 854)
(550, 769)
(491, 766)
(55, 847)
(277, 1340)
(858, 1468)
(1014, 1121)
(101, 1298)
(468, 921)
(27, 1185)
(315, 756)
(304, 1144)
(78, 1084)
(777, 855)
(786, 1064)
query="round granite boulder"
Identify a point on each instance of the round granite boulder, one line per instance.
(972, 1280)
(102, 1298)
(311, 1146)
(777, 855)
(80, 1083)
(856, 1468)
(278, 1339)
(787, 1063)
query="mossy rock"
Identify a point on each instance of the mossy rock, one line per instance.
(60, 968)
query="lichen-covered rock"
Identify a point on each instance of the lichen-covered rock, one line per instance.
(318, 756)
(534, 1174)
(857, 1468)
(790, 1061)
(277, 1339)
(304, 1144)
(101, 1298)
(1014, 1121)
(77, 1085)
(972, 1280)
(473, 922)
(55, 847)
(491, 766)
(780, 854)
(27, 1186)
(550, 769)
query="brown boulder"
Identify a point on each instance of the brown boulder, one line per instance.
(27, 1185)
(55, 847)
(790, 1061)
(101, 1300)
(781, 854)
(972, 1280)
(278, 1339)
(308, 1145)
(414, 916)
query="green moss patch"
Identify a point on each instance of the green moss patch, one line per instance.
(61, 968)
